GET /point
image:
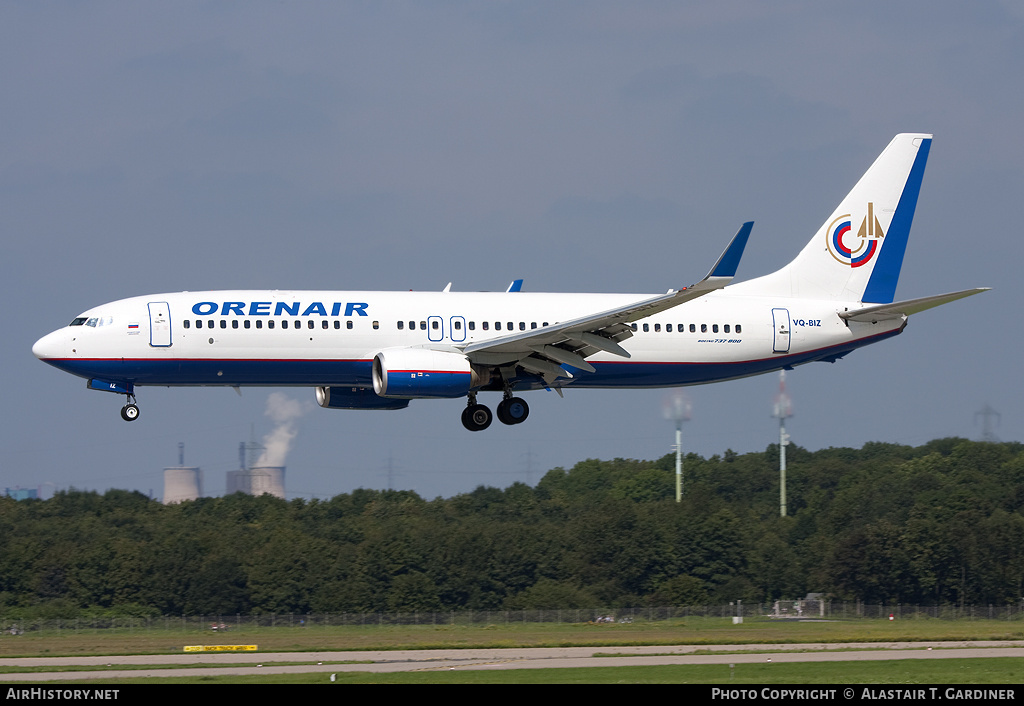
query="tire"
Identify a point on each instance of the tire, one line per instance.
(477, 417)
(514, 410)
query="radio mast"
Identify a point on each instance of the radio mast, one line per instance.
(677, 409)
(782, 410)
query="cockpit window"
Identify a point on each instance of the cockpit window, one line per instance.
(78, 322)
(97, 321)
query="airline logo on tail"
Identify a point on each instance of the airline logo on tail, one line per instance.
(865, 244)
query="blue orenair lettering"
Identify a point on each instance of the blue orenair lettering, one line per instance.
(279, 309)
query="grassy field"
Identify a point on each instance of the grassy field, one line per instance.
(699, 631)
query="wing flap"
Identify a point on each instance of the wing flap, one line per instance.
(564, 356)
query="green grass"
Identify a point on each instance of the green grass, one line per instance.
(693, 631)
(904, 673)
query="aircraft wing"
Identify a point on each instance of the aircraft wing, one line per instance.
(543, 351)
(897, 310)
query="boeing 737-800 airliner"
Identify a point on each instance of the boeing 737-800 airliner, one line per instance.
(379, 350)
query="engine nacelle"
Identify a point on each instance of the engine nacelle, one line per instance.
(411, 373)
(355, 398)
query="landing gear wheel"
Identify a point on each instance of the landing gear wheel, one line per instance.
(130, 412)
(477, 417)
(513, 410)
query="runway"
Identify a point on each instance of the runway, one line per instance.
(382, 661)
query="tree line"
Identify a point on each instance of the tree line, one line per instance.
(941, 523)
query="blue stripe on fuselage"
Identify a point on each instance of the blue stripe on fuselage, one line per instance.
(173, 372)
(297, 372)
(636, 374)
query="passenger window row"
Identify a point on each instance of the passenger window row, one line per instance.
(693, 328)
(435, 324)
(270, 323)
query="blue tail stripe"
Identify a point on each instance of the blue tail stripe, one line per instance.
(881, 287)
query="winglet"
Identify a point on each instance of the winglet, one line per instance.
(729, 262)
(517, 285)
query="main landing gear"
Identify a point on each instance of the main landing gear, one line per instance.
(511, 410)
(130, 412)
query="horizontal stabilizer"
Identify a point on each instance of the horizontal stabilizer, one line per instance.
(898, 310)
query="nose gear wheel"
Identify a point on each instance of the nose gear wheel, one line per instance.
(130, 412)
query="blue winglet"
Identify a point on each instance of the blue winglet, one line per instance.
(730, 260)
(517, 284)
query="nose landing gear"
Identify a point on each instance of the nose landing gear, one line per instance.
(130, 412)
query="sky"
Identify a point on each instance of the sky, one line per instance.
(582, 146)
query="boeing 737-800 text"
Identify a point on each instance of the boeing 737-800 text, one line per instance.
(379, 350)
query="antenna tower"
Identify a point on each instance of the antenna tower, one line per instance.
(987, 414)
(678, 409)
(249, 452)
(782, 410)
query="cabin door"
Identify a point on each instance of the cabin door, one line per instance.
(782, 329)
(457, 329)
(435, 328)
(159, 324)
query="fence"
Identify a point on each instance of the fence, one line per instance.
(779, 610)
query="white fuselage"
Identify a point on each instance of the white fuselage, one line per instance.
(325, 338)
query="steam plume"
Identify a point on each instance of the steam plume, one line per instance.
(284, 412)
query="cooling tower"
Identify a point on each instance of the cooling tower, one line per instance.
(257, 481)
(182, 484)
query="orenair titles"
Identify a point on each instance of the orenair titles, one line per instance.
(279, 309)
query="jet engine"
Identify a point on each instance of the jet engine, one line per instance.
(355, 398)
(411, 373)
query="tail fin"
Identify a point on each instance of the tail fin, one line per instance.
(857, 253)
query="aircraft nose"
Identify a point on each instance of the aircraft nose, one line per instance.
(49, 346)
